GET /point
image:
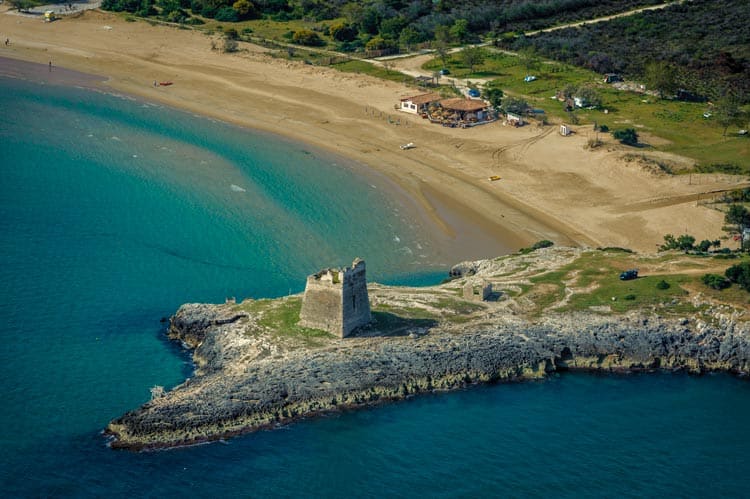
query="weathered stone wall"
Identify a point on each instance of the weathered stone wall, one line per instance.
(356, 303)
(322, 306)
(336, 300)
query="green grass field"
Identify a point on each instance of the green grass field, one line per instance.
(593, 281)
(680, 125)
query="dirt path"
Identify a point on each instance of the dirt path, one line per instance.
(411, 64)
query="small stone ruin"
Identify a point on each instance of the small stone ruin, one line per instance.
(336, 300)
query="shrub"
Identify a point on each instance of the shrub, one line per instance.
(227, 14)
(307, 37)
(603, 128)
(627, 136)
(544, 243)
(629, 297)
(716, 281)
(617, 249)
(230, 45)
(662, 284)
(739, 274)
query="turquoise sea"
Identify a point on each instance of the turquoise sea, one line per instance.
(114, 211)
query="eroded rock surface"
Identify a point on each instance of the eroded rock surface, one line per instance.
(251, 374)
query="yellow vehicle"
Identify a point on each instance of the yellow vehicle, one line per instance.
(49, 16)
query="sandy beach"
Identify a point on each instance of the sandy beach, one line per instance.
(551, 187)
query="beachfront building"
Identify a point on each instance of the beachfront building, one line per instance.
(418, 104)
(462, 110)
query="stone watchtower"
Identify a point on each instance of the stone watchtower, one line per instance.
(336, 300)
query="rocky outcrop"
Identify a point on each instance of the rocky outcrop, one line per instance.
(249, 376)
(277, 390)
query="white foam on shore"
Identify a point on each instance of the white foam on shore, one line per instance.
(237, 188)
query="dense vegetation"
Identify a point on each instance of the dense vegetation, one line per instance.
(702, 46)
(386, 24)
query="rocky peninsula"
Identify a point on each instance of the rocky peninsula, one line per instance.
(550, 310)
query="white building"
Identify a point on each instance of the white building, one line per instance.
(419, 103)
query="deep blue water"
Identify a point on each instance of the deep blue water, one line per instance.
(113, 212)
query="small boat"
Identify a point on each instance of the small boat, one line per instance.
(495, 177)
(410, 145)
(165, 83)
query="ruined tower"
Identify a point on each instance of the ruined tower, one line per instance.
(336, 300)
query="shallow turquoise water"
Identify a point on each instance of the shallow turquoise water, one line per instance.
(113, 212)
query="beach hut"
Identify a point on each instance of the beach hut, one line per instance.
(465, 109)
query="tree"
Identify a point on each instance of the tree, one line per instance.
(589, 96)
(343, 32)
(661, 76)
(685, 242)
(739, 274)
(627, 136)
(704, 245)
(408, 37)
(492, 93)
(378, 43)
(529, 59)
(391, 27)
(472, 57)
(245, 9)
(442, 39)
(727, 112)
(227, 14)
(569, 91)
(460, 30)
(515, 105)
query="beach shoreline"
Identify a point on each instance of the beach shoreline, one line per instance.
(551, 188)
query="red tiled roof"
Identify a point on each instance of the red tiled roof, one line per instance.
(461, 104)
(422, 98)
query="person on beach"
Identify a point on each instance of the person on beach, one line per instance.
(50, 66)
(7, 42)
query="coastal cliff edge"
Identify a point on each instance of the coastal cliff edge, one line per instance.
(256, 368)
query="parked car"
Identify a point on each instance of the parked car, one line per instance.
(529, 78)
(629, 275)
(444, 71)
(473, 92)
